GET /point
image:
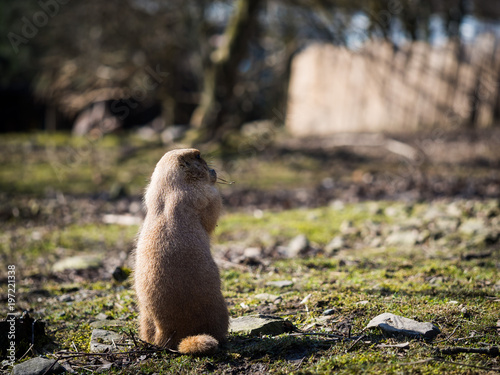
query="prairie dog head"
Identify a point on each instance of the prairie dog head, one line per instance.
(182, 177)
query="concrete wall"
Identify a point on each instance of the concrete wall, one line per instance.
(378, 89)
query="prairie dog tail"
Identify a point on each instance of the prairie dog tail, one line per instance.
(198, 345)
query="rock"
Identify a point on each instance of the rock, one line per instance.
(329, 312)
(267, 297)
(347, 227)
(472, 226)
(399, 325)
(393, 211)
(297, 246)
(335, 244)
(38, 366)
(173, 133)
(446, 224)
(253, 252)
(433, 212)
(102, 316)
(403, 237)
(280, 283)
(403, 345)
(79, 262)
(102, 341)
(108, 323)
(125, 220)
(260, 325)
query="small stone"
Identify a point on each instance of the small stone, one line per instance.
(453, 209)
(335, 244)
(173, 133)
(108, 323)
(79, 262)
(403, 345)
(66, 298)
(125, 220)
(405, 237)
(253, 252)
(260, 325)
(280, 283)
(347, 227)
(102, 316)
(329, 312)
(337, 205)
(38, 366)
(297, 246)
(362, 303)
(446, 224)
(393, 211)
(103, 341)
(472, 226)
(400, 325)
(267, 297)
(433, 212)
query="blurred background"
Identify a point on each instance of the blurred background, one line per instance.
(340, 97)
(216, 65)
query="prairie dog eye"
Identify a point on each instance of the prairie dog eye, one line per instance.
(198, 156)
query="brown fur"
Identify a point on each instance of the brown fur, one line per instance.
(176, 279)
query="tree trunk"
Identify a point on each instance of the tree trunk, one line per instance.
(213, 115)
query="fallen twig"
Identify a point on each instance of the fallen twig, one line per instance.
(330, 335)
(355, 342)
(449, 336)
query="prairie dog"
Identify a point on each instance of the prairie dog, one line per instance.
(176, 279)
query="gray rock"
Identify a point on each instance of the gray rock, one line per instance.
(329, 312)
(280, 283)
(260, 325)
(173, 133)
(404, 237)
(335, 244)
(38, 366)
(347, 227)
(472, 226)
(102, 316)
(393, 211)
(267, 297)
(297, 246)
(103, 341)
(79, 262)
(253, 252)
(446, 224)
(108, 323)
(399, 325)
(433, 212)
(454, 209)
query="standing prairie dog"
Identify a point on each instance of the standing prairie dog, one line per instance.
(176, 279)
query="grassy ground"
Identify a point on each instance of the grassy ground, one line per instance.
(435, 261)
